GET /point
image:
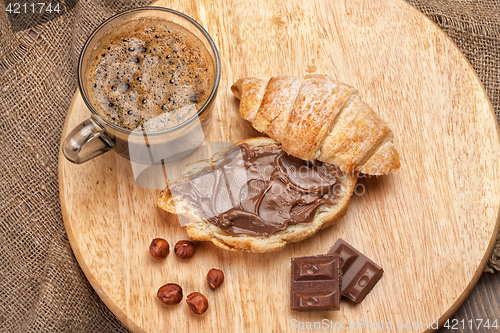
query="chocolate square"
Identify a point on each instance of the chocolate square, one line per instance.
(315, 283)
(359, 274)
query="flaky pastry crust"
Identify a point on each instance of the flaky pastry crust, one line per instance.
(316, 117)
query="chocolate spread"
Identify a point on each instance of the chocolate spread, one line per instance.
(260, 191)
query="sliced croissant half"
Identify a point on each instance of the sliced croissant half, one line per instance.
(316, 117)
(230, 236)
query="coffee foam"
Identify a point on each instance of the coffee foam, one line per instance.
(146, 68)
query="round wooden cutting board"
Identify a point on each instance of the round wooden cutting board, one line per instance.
(430, 225)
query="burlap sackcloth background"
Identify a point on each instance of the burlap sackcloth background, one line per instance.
(41, 285)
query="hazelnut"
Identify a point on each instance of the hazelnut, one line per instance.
(159, 248)
(215, 277)
(184, 249)
(170, 294)
(197, 302)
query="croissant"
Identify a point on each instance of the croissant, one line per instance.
(316, 117)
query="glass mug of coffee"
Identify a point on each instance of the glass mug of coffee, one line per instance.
(149, 77)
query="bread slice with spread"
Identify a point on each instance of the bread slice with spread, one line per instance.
(256, 197)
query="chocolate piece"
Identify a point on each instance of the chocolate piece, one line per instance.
(315, 283)
(260, 191)
(359, 274)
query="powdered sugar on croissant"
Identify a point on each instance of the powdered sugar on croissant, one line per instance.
(316, 117)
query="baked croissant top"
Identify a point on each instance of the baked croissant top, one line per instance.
(316, 117)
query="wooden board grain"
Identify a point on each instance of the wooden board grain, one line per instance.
(430, 225)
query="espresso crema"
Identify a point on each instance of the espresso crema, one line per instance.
(260, 191)
(149, 74)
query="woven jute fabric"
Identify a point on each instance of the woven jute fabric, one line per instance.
(42, 287)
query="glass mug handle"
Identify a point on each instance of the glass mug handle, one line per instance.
(86, 141)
